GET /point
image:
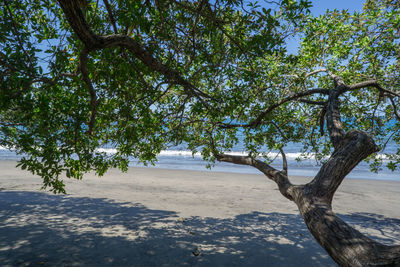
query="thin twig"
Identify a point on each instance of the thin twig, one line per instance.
(16, 33)
(92, 92)
(394, 107)
(111, 16)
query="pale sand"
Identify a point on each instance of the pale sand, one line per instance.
(157, 217)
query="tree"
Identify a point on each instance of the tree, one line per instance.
(142, 75)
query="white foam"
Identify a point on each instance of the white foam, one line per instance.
(106, 150)
(188, 153)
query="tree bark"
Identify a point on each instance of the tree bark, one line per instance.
(346, 245)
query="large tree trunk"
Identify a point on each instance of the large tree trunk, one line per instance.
(346, 245)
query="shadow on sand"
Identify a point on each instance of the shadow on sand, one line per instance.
(37, 229)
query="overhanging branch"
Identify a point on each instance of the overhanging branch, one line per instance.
(77, 21)
(280, 178)
(296, 96)
(370, 83)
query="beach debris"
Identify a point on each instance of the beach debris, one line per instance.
(196, 252)
(181, 219)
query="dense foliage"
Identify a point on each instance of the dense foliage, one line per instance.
(192, 71)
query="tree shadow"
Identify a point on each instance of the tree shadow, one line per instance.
(38, 229)
(378, 227)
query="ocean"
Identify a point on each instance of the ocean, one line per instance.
(179, 158)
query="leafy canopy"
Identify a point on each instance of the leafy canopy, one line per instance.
(203, 73)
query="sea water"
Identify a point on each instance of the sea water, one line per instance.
(177, 157)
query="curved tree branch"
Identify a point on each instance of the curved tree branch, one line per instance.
(314, 72)
(93, 42)
(295, 97)
(280, 178)
(370, 83)
(336, 79)
(333, 113)
(339, 81)
(256, 122)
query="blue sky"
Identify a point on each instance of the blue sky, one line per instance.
(320, 6)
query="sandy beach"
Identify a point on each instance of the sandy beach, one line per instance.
(158, 217)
